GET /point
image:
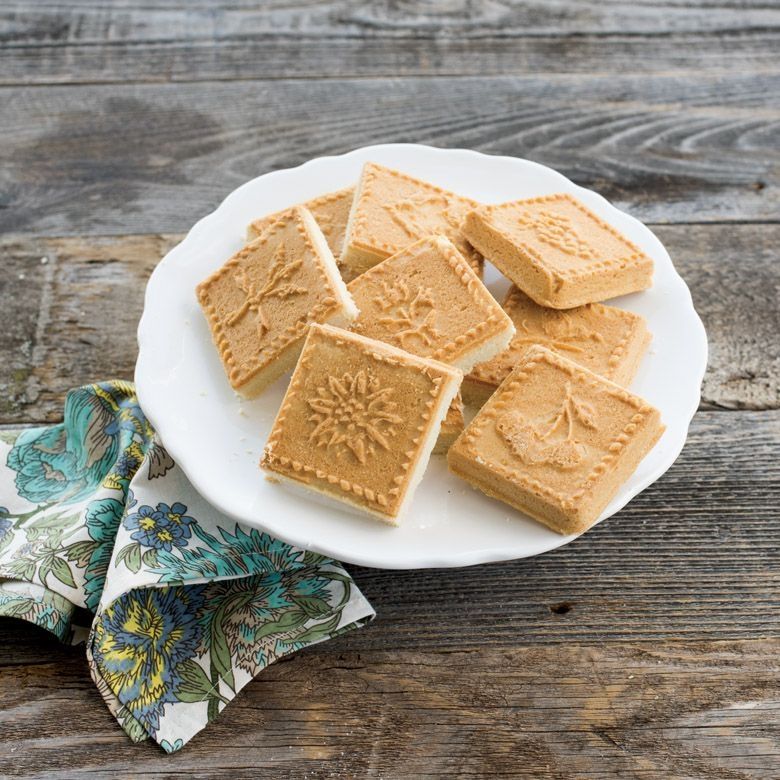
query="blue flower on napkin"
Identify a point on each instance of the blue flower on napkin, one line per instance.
(142, 644)
(162, 528)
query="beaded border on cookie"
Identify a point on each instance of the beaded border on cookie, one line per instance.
(587, 268)
(465, 273)
(238, 375)
(492, 376)
(385, 502)
(374, 171)
(262, 223)
(565, 500)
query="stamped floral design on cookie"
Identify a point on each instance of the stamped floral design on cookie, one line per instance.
(557, 251)
(277, 285)
(551, 441)
(558, 231)
(427, 300)
(354, 414)
(410, 312)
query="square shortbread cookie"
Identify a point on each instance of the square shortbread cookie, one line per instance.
(556, 441)
(392, 209)
(330, 212)
(259, 303)
(428, 300)
(608, 341)
(359, 421)
(557, 251)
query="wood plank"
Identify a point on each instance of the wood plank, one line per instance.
(68, 21)
(670, 709)
(128, 158)
(60, 332)
(268, 56)
(89, 45)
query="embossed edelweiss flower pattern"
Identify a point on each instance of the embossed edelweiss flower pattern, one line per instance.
(277, 285)
(557, 231)
(552, 442)
(424, 215)
(409, 314)
(353, 414)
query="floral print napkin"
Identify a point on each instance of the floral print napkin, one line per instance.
(103, 540)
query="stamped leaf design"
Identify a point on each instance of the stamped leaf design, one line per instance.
(410, 314)
(277, 285)
(353, 414)
(560, 331)
(552, 442)
(557, 231)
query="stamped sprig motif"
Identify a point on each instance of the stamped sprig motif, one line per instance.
(557, 230)
(277, 285)
(409, 314)
(551, 442)
(424, 215)
(563, 334)
(354, 414)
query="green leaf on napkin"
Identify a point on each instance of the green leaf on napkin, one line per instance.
(61, 570)
(195, 685)
(291, 619)
(314, 607)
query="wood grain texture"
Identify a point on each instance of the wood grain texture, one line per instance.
(62, 332)
(118, 159)
(267, 56)
(83, 44)
(67, 21)
(670, 709)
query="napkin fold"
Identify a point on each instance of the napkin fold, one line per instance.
(103, 540)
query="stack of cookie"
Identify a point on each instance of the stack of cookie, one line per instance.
(374, 295)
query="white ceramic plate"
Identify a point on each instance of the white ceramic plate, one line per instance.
(217, 438)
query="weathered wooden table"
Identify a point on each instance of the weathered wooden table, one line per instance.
(649, 647)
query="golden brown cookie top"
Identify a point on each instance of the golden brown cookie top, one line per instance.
(357, 417)
(330, 211)
(562, 235)
(428, 300)
(262, 298)
(393, 209)
(554, 427)
(593, 335)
